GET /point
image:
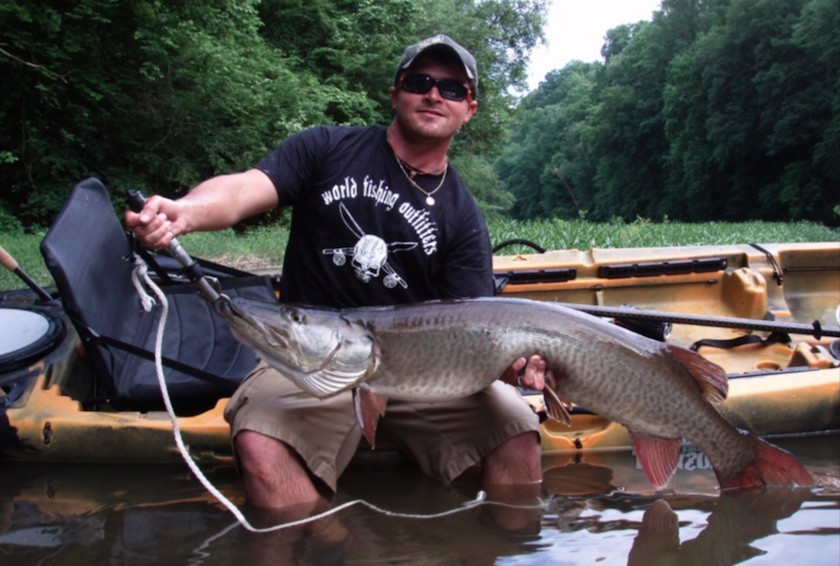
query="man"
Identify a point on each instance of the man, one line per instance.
(379, 217)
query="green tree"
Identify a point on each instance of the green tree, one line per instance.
(148, 94)
(159, 95)
(717, 109)
(546, 163)
(750, 111)
(351, 46)
(802, 96)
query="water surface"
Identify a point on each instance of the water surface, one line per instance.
(592, 509)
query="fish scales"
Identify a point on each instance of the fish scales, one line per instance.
(599, 366)
(444, 349)
(439, 354)
(439, 350)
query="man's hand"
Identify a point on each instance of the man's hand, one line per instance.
(219, 202)
(530, 373)
(158, 222)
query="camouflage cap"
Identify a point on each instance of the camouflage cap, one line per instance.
(439, 41)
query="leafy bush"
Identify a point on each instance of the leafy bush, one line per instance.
(8, 223)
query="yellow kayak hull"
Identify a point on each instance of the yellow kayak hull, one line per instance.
(775, 388)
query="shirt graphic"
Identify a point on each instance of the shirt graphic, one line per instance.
(369, 256)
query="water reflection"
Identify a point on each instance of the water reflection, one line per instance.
(735, 522)
(596, 508)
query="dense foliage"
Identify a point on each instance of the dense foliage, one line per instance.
(715, 110)
(159, 95)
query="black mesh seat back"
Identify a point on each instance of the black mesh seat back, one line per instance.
(85, 251)
(196, 336)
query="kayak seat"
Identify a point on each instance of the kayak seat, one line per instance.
(90, 258)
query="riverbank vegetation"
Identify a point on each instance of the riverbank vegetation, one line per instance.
(714, 110)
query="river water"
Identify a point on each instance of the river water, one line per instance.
(593, 509)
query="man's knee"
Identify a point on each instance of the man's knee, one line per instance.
(272, 472)
(516, 460)
(261, 455)
(522, 446)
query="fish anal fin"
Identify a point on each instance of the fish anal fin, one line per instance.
(771, 466)
(369, 407)
(657, 456)
(710, 377)
(555, 406)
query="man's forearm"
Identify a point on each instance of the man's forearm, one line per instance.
(222, 201)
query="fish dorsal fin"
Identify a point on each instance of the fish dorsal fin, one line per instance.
(709, 377)
(657, 456)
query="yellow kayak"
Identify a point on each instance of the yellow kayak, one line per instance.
(766, 313)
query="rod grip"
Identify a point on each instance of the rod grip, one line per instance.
(192, 268)
(135, 200)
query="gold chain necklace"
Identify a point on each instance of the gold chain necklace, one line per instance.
(429, 198)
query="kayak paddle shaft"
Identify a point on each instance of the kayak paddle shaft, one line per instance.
(11, 264)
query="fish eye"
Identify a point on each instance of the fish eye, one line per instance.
(297, 317)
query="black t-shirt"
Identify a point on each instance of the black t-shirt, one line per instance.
(361, 234)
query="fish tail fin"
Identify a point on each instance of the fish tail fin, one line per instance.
(369, 407)
(710, 377)
(771, 466)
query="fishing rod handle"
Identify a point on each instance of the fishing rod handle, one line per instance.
(136, 201)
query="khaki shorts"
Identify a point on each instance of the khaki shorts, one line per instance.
(444, 438)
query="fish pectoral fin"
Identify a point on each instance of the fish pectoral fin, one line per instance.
(555, 406)
(369, 407)
(657, 456)
(710, 377)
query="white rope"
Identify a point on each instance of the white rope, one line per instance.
(141, 272)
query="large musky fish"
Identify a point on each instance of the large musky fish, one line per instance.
(444, 349)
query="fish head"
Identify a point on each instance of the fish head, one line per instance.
(318, 349)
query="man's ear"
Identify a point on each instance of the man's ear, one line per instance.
(470, 111)
(392, 90)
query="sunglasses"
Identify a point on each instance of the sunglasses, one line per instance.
(450, 89)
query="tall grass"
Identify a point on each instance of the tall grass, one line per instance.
(263, 246)
(580, 234)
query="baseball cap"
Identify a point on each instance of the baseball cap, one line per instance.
(440, 41)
